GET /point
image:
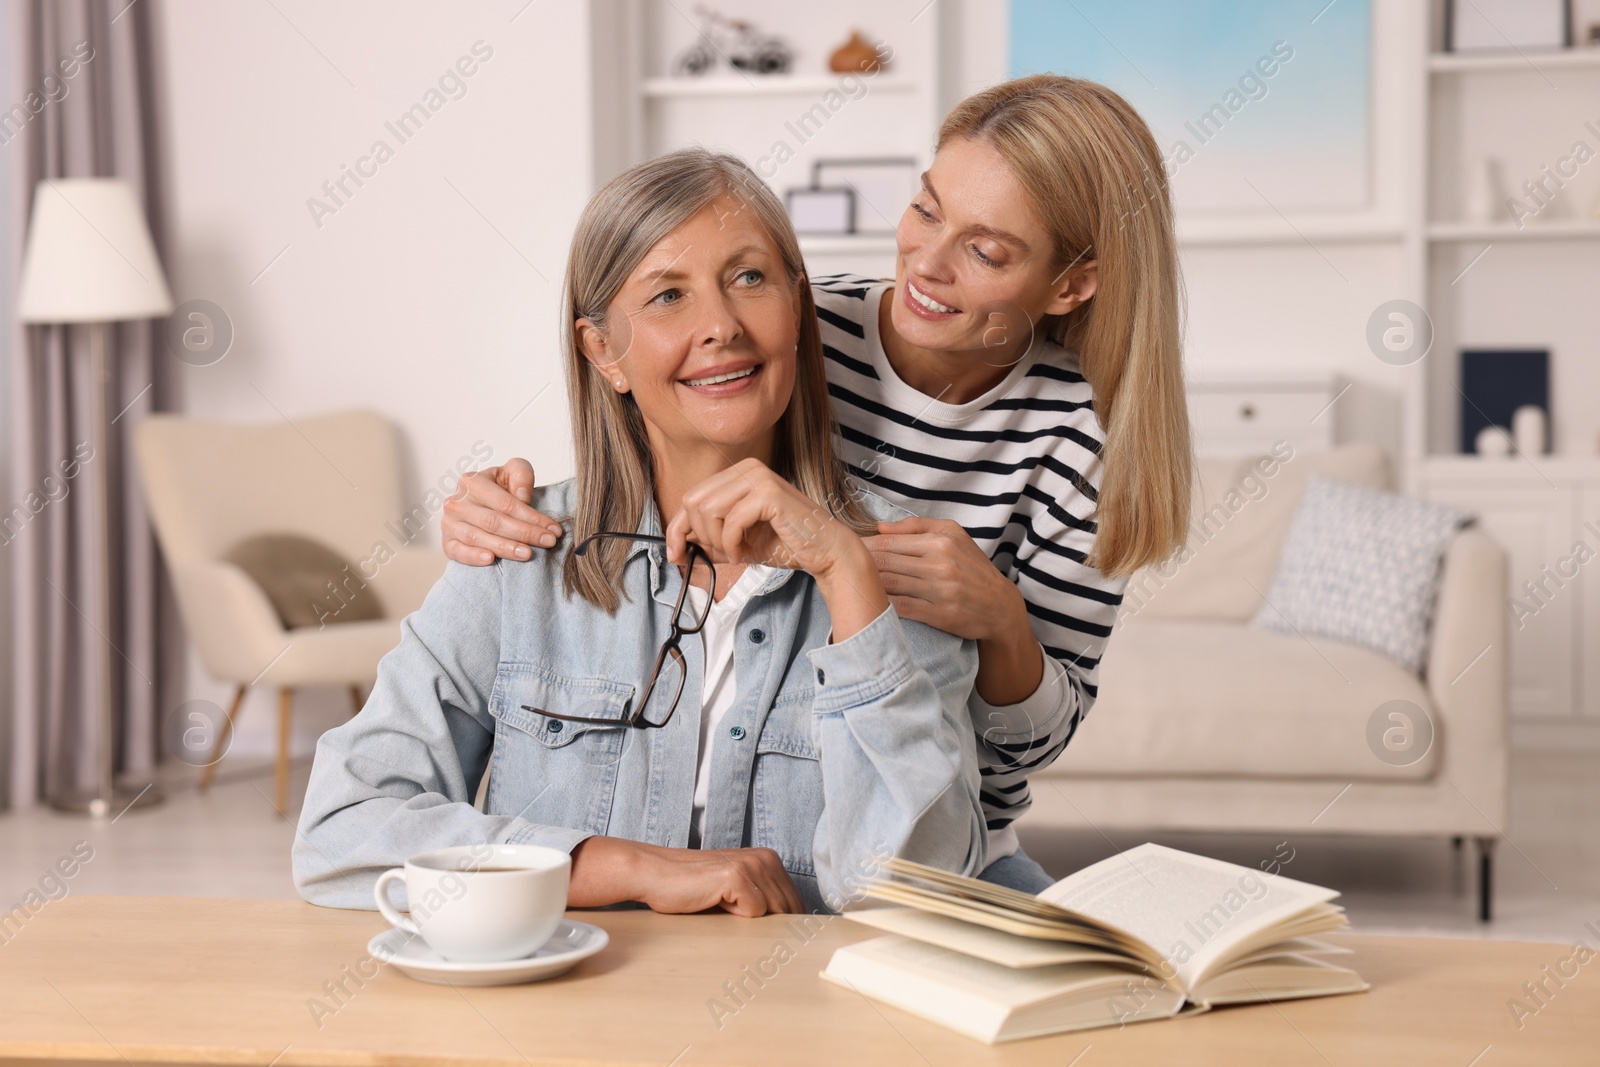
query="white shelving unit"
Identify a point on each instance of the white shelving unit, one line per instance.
(1565, 59)
(1559, 230)
(1525, 109)
(1500, 285)
(1210, 232)
(847, 244)
(781, 124)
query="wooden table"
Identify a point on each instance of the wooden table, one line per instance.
(176, 980)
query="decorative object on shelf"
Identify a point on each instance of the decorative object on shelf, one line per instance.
(882, 187)
(746, 48)
(1529, 430)
(1493, 442)
(1495, 383)
(1486, 192)
(1507, 25)
(856, 56)
(831, 211)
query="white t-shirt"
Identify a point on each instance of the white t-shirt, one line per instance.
(718, 687)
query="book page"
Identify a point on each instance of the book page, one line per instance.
(1190, 909)
(1280, 978)
(1008, 950)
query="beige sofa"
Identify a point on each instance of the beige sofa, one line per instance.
(1207, 723)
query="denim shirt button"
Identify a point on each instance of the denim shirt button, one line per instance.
(736, 732)
(758, 635)
(822, 679)
(555, 726)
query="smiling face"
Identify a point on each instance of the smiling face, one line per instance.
(975, 262)
(703, 334)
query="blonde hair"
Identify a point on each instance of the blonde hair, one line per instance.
(618, 228)
(1097, 180)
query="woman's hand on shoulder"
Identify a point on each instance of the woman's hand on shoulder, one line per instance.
(744, 881)
(489, 517)
(935, 573)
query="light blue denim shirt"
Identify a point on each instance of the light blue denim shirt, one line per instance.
(831, 752)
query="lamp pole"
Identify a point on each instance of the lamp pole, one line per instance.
(107, 797)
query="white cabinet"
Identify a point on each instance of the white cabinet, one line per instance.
(1547, 516)
(1237, 413)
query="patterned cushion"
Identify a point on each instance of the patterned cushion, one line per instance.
(1361, 566)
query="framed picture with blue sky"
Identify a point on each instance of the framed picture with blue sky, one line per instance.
(1258, 105)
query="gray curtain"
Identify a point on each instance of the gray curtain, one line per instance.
(100, 122)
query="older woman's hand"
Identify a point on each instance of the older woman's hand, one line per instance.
(748, 514)
(745, 881)
(490, 517)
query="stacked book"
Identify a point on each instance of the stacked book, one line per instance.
(1149, 933)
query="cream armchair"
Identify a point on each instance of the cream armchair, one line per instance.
(335, 479)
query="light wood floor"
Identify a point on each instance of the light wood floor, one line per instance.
(231, 843)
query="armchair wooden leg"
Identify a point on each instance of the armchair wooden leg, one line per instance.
(285, 720)
(356, 699)
(209, 771)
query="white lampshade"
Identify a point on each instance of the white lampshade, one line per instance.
(90, 257)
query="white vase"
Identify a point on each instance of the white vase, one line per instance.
(1528, 429)
(1493, 442)
(1486, 193)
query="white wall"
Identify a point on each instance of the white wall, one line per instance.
(431, 295)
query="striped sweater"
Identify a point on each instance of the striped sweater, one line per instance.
(1018, 468)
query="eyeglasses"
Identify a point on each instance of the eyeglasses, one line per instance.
(634, 715)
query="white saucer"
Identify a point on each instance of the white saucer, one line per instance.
(572, 941)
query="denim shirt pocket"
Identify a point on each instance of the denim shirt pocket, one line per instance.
(786, 786)
(555, 771)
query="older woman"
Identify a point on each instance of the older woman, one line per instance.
(721, 709)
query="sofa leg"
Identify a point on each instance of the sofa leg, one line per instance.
(1485, 877)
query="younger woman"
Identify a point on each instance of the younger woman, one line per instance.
(759, 766)
(1019, 384)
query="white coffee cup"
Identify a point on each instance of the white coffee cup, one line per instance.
(481, 903)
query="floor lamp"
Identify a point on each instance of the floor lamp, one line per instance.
(90, 260)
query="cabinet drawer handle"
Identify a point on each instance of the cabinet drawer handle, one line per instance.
(1247, 411)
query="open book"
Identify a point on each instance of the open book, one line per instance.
(1149, 933)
